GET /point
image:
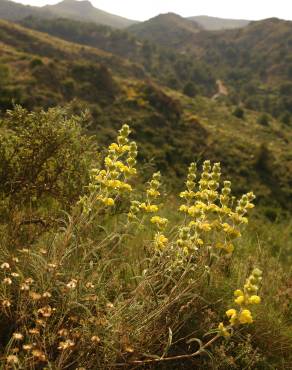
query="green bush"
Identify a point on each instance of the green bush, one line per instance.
(43, 154)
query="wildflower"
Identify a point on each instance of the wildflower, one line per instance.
(29, 280)
(12, 359)
(89, 285)
(24, 286)
(63, 332)
(238, 293)
(153, 193)
(72, 284)
(35, 296)
(95, 339)
(15, 274)
(239, 300)
(38, 354)
(66, 344)
(15, 259)
(254, 299)
(7, 281)
(129, 349)
(231, 312)
(108, 202)
(51, 266)
(223, 330)
(245, 317)
(5, 266)
(27, 347)
(109, 305)
(47, 295)
(6, 303)
(159, 221)
(17, 336)
(34, 331)
(160, 241)
(45, 311)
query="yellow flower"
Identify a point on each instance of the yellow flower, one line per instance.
(153, 193)
(238, 293)
(159, 220)
(229, 248)
(160, 241)
(245, 317)
(223, 331)
(108, 202)
(239, 300)
(231, 312)
(151, 208)
(254, 299)
(183, 208)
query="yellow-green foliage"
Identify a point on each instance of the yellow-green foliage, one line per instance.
(118, 283)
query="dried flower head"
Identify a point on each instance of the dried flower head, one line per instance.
(6, 303)
(17, 336)
(72, 284)
(7, 281)
(45, 311)
(12, 359)
(5, 266)
(66, 344)
(39, 355)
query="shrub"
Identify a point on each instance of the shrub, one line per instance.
(42, 154)
(263, 119)
(190, 89)
(119, 284)
(238, 112)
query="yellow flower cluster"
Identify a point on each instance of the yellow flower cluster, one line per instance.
(108, 184)
(152, 193)
(243, 298)
(209, 210)
(149, 207)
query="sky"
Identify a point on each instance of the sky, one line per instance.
(145, 9)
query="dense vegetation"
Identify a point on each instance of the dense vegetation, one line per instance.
(172, 128)
(113, 282)
(101, 264)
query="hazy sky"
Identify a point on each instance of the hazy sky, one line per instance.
(145, 9)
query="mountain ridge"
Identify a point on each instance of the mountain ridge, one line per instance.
(78, 10)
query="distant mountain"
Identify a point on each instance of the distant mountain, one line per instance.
(168, 29)
(85, 11)
(12, 11)
(78, 10)
(215, 24)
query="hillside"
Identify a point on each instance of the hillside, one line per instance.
(166, 67)
(172, 128)
(254, 61)
(216, 24)
(79, 10)
(167, 30)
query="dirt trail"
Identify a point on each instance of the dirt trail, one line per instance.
(222, 90)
